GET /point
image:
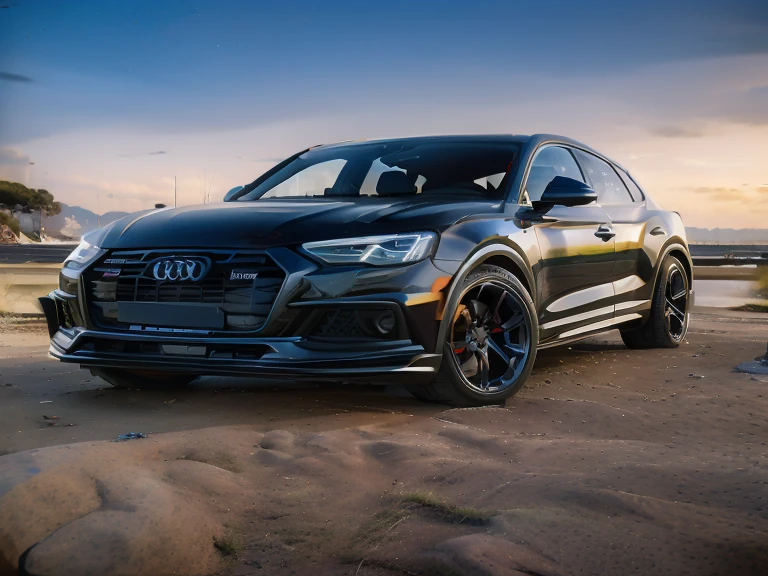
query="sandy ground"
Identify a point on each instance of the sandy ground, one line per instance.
(609, 462)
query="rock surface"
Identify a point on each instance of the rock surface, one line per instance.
(452, 495)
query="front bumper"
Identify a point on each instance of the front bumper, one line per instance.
(292, 358)
(283, 349)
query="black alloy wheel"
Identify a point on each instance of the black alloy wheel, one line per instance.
(669, 315)
(490, 339)
(676, 302)
(490, 344)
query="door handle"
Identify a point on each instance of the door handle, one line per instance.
(605, 232)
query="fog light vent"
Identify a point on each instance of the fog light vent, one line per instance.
(385, 323)
(356, 324)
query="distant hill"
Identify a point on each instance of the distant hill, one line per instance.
(74, 221)
(727, 235)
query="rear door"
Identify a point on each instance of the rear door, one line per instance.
(574, 275)
(628, 220)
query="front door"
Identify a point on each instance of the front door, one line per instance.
(575, 273)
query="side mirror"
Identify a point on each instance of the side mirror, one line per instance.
(232, 194)
(564, 191)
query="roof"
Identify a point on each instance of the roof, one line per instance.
(517, 138)
(533, 140)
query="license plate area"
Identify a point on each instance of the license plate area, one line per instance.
(183, 350)
(203, 316)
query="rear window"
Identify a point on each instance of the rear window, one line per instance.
(634, 189)
(604, 179)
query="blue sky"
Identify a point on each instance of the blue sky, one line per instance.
(90, 90)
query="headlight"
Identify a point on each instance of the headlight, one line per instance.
(83, 255)
(376, 250)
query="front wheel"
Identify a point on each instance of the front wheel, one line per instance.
(490, 346)
(142, 379)
(667, 324)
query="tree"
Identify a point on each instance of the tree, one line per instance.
(16, 196)
(11, 222)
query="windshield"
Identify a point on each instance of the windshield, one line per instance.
(392, 168)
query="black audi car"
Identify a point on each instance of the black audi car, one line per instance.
(443, 263)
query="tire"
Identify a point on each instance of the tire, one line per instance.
(143, 380)
(452, 386)
(664, 327)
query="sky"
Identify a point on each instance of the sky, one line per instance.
(104, 103)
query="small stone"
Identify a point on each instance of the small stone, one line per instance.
(547, 381)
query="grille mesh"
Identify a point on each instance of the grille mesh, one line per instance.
(126, 276)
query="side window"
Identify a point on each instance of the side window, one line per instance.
(605, 181)
(550, 162)
(634, 189)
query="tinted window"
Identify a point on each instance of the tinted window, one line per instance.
(314, 180)
(606, 183)
(394, 168)
(634, 189)
(550, 162)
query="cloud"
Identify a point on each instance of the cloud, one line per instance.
(722, 193)
(729, 197)
(671, 131)
(642, 156)
(157, 153)
(700, 163)
(113, 189)
(10, 156)
(10, 77)
(715, 190)
(727, 194)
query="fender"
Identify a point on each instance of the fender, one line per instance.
(477, 258)
(674, 243)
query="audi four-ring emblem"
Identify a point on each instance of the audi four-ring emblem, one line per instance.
(179, 270)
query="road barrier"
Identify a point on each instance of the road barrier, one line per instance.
(22, 284)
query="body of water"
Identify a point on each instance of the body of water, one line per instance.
(726, 293)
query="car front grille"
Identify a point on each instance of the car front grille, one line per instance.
(127, 276)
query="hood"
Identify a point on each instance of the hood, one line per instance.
(265, 224)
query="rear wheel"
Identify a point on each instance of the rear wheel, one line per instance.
(668, 322)
(491, 344)
(142, 379)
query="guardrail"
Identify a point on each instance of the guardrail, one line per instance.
(22, 284)
(707, 261)
(729, 268)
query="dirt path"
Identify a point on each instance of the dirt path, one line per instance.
(609, 462)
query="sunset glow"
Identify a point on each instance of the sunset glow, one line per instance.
(105, 104)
